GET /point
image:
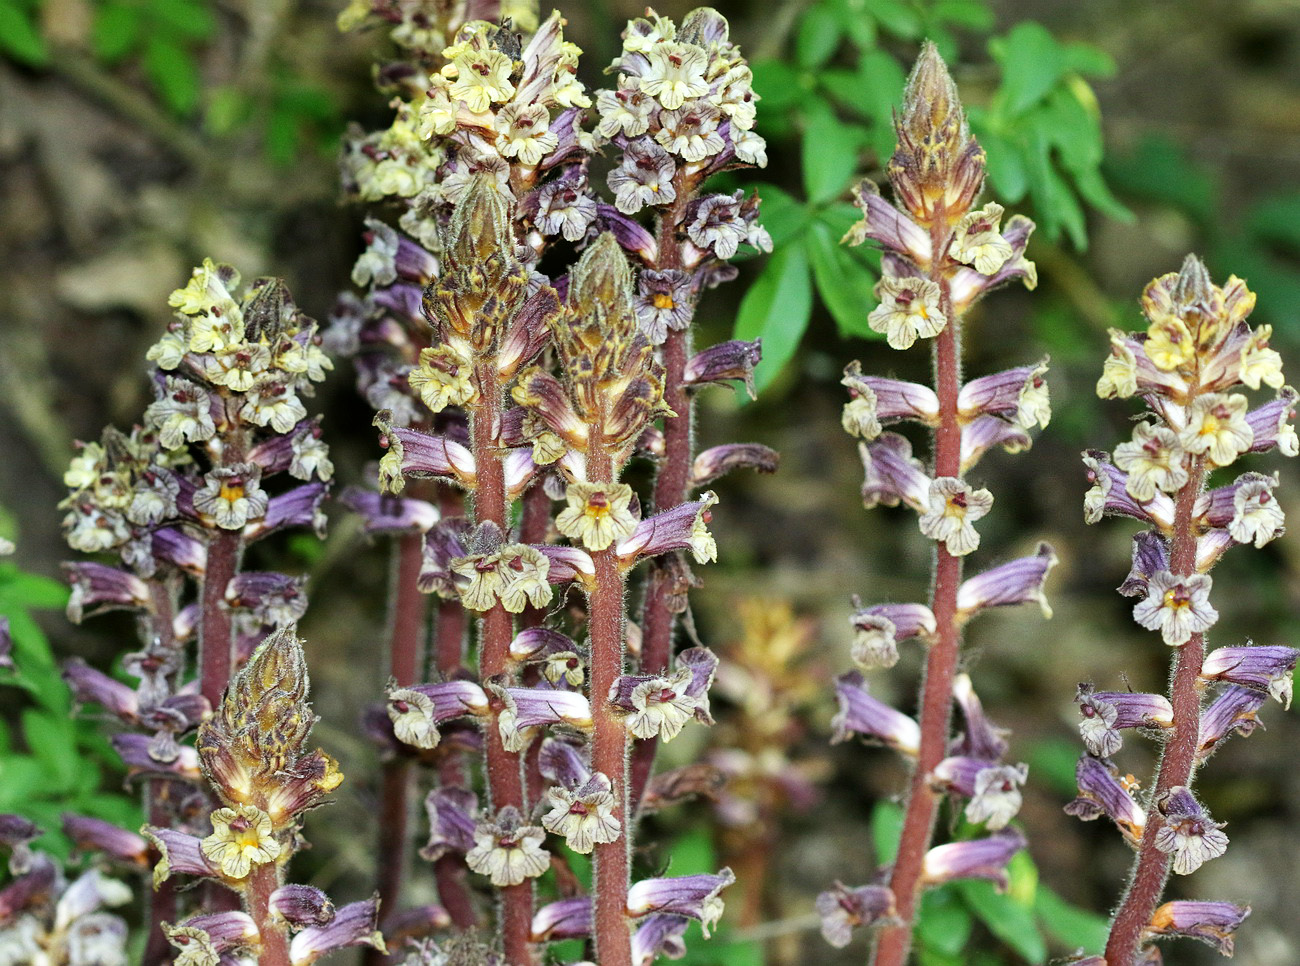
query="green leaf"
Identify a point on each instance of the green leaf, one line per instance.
(1160, 170)
(778, 84)
(184, 18)
(174, 73)
(1088, 60)
(858, 24)
(1069, 925)
(830, 156)
(1052, 762)
(694, 854)
(886, 830)
(944, 924)
(228, 110)
(971, 14)
(1006, 163)
(784, 216)
(1010, 916)
(843, 281)
(1031, 64)
(880, 85)
(19, 37)
(776, 309)
(51, 739)
(897, 17)
(32, 590)
(115, 32)
(819, 34)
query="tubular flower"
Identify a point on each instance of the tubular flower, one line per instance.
(598, 514)
(241, 838)
(909, 309)
(1177, 607)
(953, 508)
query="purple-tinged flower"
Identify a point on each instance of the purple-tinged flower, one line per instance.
(877, 631)
(1103, 792)
(183, 413)
(180, 549)
(1019, 395)
(138, 754)
(909, 309)
(684, 527)
(969, 284)
(90, 686)
(887, 226)
(385, 513)
(562, 762)
(1176, 605)
(1247, 508)
(665, 301)
(1150, 557)
(982, 738)
(154, 498)
(565, 919)
(984, 858)
(984, 432)
(6, 644)
(231, 496)
(210, 939)
(844, 909)
(299, 507)
(715, 224)
(35, 882)
(875, 401)
(657, 936)
(892, 474)
(1270, 424)
(1018, 581)
(97, 588)
(691, 131)
(417, 711)
(565, 207)
(703, 665)
(1217, 427)
(645, 177)
(569, 564)
(656, 705)
(529, 332)
(507, 851)
(694, 896)
(539, 643)
(1188, 832)
(241, 838)
(584, 816)
(444, 543)
(301, 905)
(528, 708)
(631, 234)
(993, 788)
(1234, 711)
(1109, 495)
(952, 506)
(451, 814)
(978, 243)
(1102, 715)
(1210, 922)
(1153, 460)
(1265, 668)
(718, 461)
(863, 715)
(419, 455)
(90, 834)
(355, 924)
(274, 599)
(723, 362)
(178, 852)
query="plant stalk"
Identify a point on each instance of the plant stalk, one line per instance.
(273, 948)
(1178, 761)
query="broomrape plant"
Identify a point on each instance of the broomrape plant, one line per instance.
(941, 254)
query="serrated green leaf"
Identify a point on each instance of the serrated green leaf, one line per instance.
(844, 282)
(19, 37)
(115, 32)
(1069, 925)
(970, 14)
(944, 924)
(776, 309)
(819, 33)
(1006, 163)
(1011, 921)
(830, 156)
(174, 73)
(1031, 62)
(886, 830)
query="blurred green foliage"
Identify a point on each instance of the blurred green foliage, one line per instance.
(831, 104)
(50, 760)
(164, 42)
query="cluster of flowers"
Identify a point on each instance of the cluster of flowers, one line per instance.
(939, 257)
(539, 389)
(178, 499)
(1197, 349)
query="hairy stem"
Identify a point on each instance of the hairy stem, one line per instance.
(612, 860)
(216, 630)
(941, 663)
(1178, 761)
(504, 772)
(273, 949)
(159, 807)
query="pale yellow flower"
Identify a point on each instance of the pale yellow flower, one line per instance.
(977, 241)
(597, 514)
(241, 838)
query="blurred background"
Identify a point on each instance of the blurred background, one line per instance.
(139, 136)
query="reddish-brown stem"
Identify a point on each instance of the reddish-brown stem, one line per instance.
(895, 942)
(658, 616)
(504, 768)
(407, 620)
(1178, 762)
(216, 637)
(163, 904)
(273, 949)
(611, 860)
